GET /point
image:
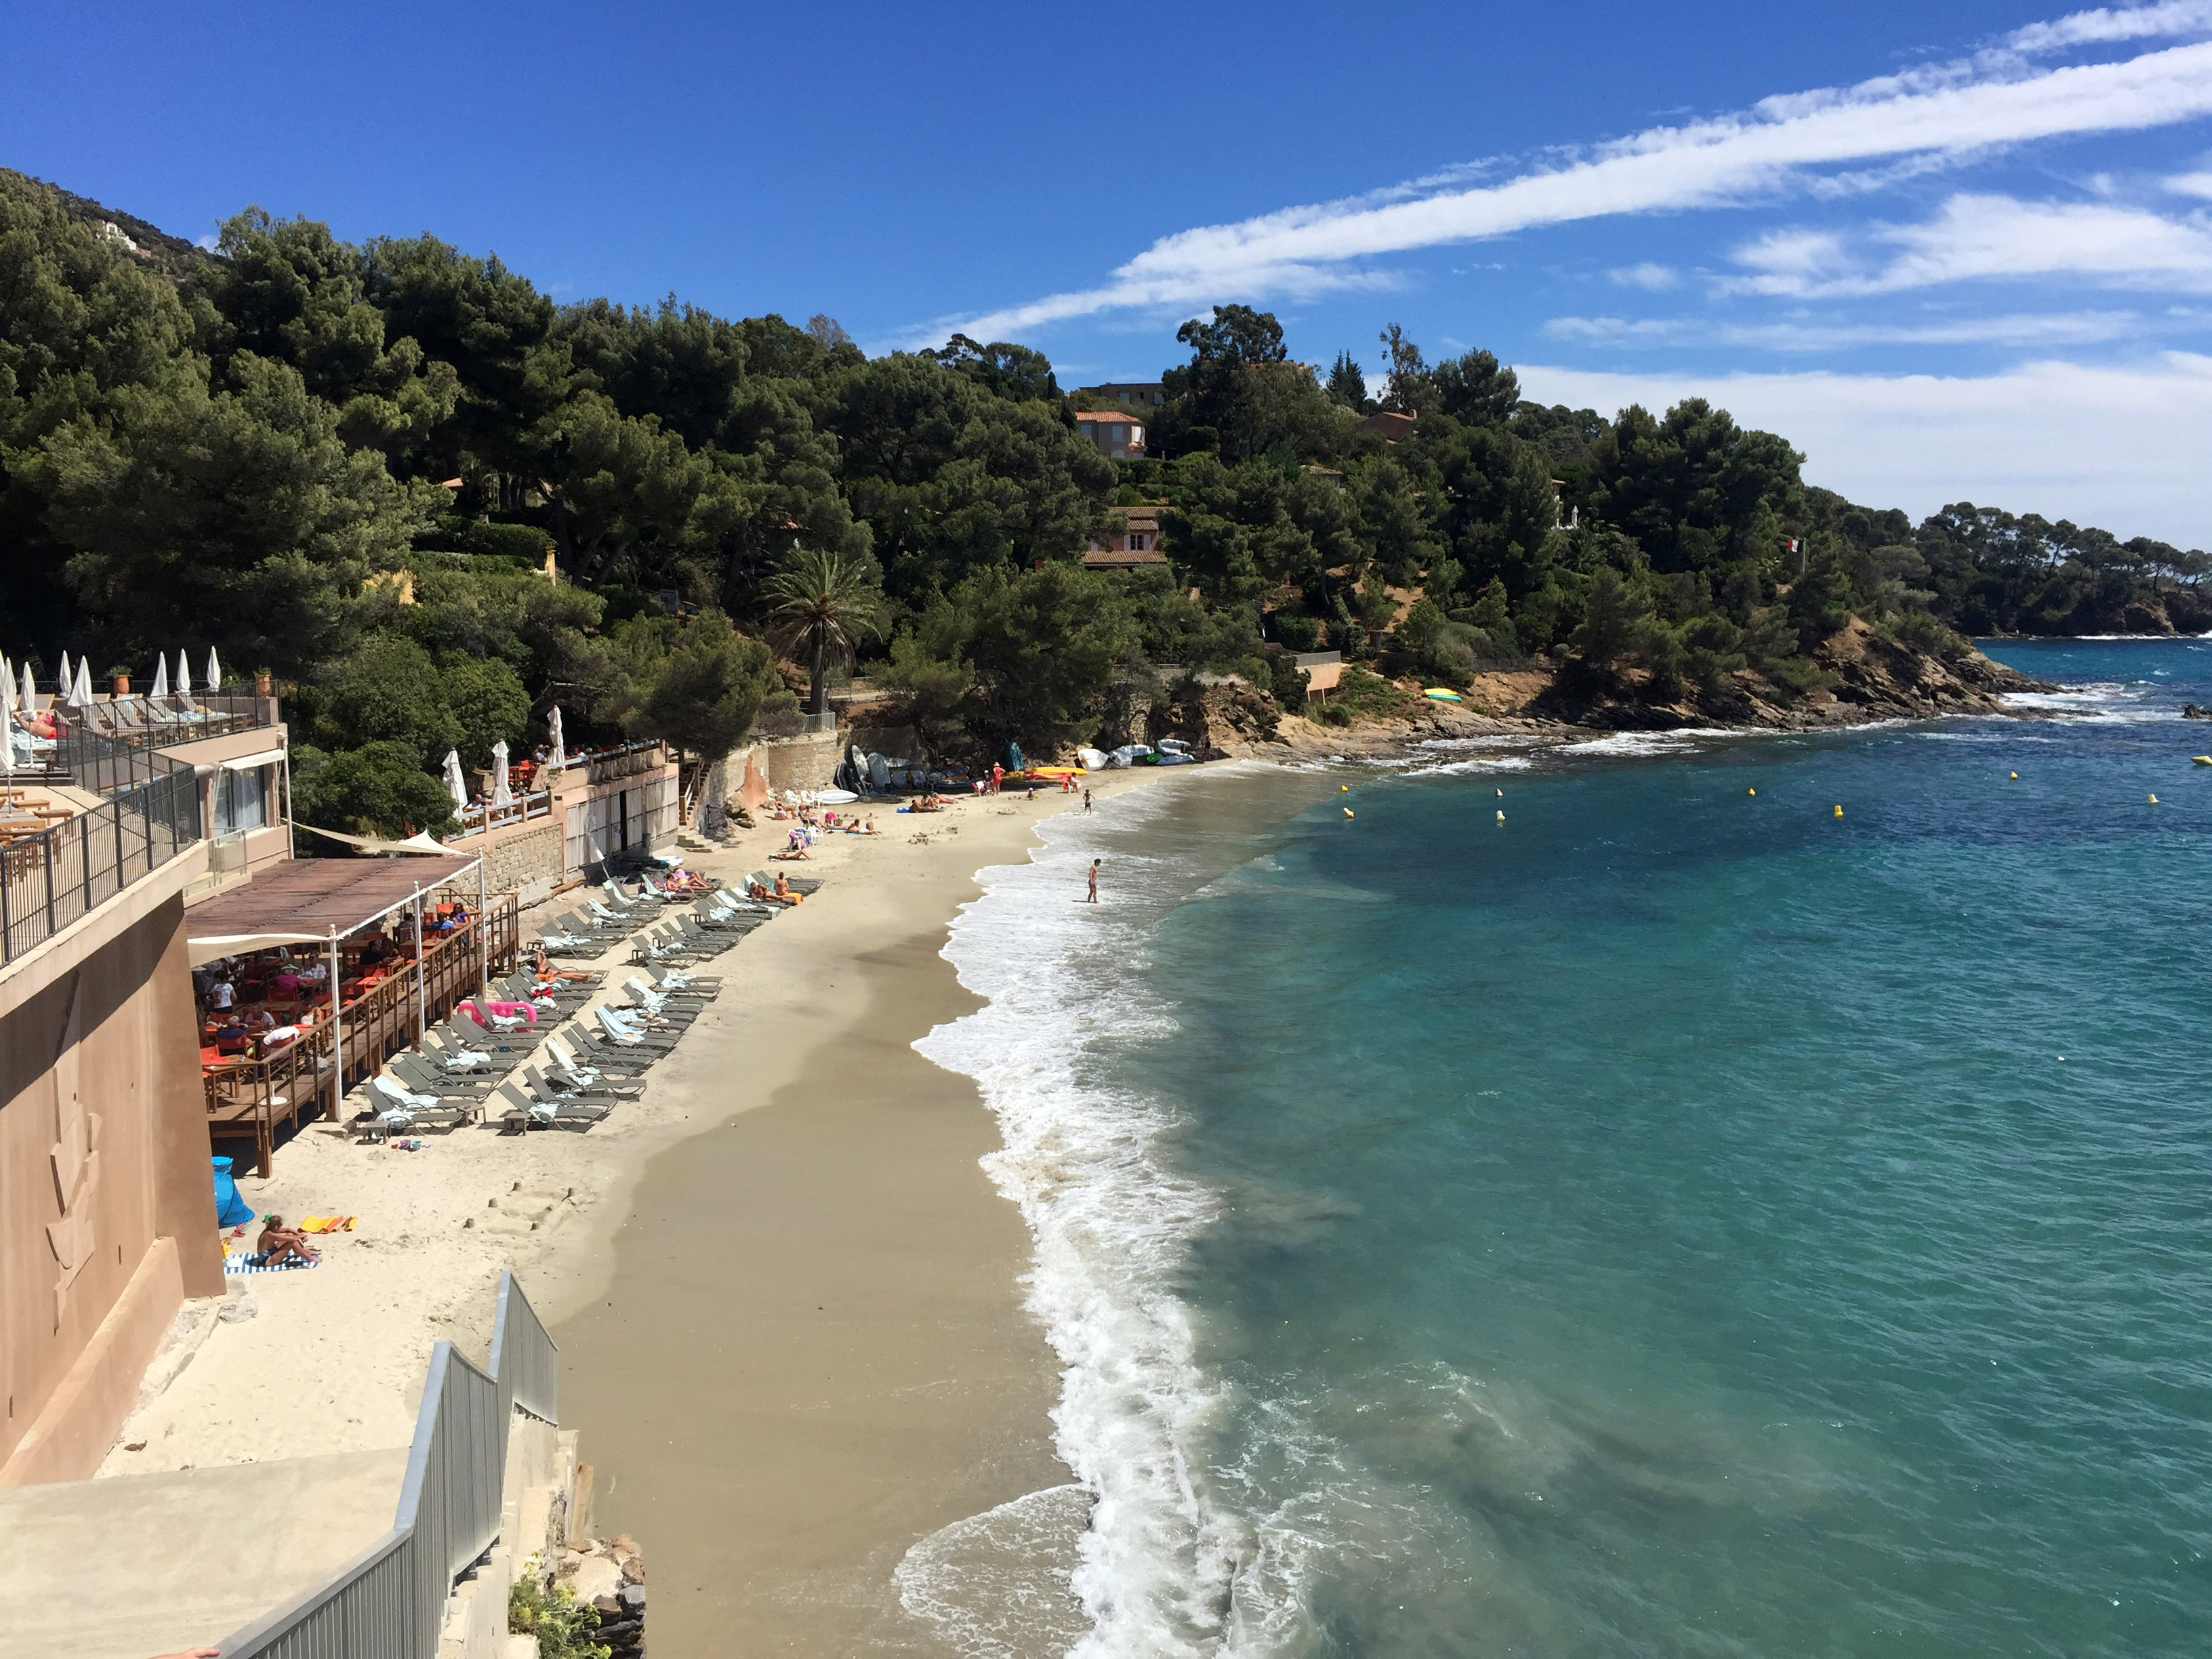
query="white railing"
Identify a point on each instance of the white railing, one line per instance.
(389, 1602)
(474, 820)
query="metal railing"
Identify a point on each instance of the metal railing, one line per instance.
(61, 874)
(389, 1602)
(144, 724)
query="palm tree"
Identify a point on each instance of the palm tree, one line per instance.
(828, 604)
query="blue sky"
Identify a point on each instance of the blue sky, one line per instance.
(1954, 252)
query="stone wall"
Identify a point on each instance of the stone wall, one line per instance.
(530, 862)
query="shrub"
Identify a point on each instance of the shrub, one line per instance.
(562, 1623)
(1295, 631)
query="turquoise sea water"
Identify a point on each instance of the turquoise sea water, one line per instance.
(1674, 1221)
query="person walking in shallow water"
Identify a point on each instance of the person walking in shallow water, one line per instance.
(1094, 880)
(1086, 800)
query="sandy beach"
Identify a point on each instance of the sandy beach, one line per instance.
(789, 1299)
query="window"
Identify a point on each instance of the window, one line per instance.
(241, 800)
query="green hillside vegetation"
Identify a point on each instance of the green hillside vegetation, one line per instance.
(244, 448)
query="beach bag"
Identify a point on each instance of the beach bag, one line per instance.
(230, 1209)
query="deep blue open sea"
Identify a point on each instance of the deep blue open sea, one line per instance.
(1674, 1220)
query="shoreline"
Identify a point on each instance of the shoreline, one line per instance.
(800, 1346)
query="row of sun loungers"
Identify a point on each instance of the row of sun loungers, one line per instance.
(564, 1059)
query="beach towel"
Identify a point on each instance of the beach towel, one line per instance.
(235, 1265)
(326, 1223)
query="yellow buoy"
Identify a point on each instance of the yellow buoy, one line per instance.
(1501, 794)
(1343, 788)
(1751, 792)
(1347, 812)
(1839, 812)
(1501, 817)
(2015, 777)
(2153, 801)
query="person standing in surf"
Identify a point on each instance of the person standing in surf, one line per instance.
(1095, 863)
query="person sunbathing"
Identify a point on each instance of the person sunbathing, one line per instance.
(547, 974)
(279, 1242)
(783, 894)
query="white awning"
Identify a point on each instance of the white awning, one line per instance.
(251, 763)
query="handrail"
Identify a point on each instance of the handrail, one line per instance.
(389, 1602)
(58, 875)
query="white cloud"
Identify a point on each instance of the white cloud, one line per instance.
(2121, 448)
(1647, 276)
(2061, 328)
(2191, 183)
(1947, 110)
(2107, 24)
(1988, 236)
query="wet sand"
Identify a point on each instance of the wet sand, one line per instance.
(805, 1349)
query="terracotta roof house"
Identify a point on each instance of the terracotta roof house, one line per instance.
(1391, 423)
(1138, 546)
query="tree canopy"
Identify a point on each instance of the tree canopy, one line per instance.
(347, 463)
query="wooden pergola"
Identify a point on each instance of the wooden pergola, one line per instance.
(319, 904)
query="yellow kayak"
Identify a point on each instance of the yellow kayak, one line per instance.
(2202, 760)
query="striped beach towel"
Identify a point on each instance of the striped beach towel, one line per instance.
(235, 1265)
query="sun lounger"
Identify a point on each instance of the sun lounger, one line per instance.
(580, 1051)
(523, 1113)
(680, 979)
(629, 1035)
(402, 1111)
(425, 1076)
(559, 1085)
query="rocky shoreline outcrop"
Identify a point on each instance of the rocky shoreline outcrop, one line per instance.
(1870, 678)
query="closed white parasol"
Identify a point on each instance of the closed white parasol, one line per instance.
(501, 794)
(455, 786)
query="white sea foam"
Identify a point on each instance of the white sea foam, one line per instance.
(1651, 743)
(995, 1585)
(2104, 702)
(1111, 1222)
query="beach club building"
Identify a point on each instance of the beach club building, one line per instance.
(108, 833)
(142, 847)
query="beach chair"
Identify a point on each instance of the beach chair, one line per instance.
(462, 1032)
(523, 1113)
(399, 1110)
(425, 1076)
(577, 1053)
(631, 1033)
(677, 1009)
(569, 937)
(554, 1084)
(682, 979)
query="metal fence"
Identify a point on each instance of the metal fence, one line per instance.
(52, 879)
(390, 1600)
